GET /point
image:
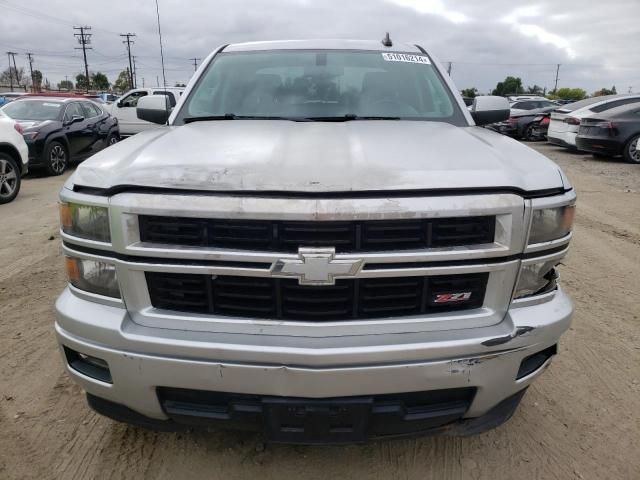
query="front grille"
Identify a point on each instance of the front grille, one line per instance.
(345, 236)
(285, 299)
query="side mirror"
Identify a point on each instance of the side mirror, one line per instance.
(489, 109)
(154, 109)
(75, 119)
(119, 104)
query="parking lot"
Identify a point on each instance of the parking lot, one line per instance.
(580, 420)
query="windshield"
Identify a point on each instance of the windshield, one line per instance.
(33, 110)
(321, 84)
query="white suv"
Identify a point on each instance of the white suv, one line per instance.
(565, 120)
(14, 157)
(124, 109)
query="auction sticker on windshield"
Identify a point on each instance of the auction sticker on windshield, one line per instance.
(405, 57)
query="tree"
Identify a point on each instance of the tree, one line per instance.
(81, 82)
(535, 90)
(100, 81)
(37, 80)
(509, 85)
(178, 84)
(17, 76)
(470, 92)
(65, 85)
(122, 82)
(605, 91)
(569, 94)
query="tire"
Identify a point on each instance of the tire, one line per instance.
(10, 180)
(528, 133)
(56, 158)
(112, 139)
(632, 150)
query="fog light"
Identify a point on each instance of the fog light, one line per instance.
(533, 362)
(93, 367)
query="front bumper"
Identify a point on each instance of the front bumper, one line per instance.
(484, 358)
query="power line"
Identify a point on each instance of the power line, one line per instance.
(84, 39)
(128, 41)
(44, 16)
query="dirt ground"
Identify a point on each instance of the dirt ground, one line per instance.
(580, 420)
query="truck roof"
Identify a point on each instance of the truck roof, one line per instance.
(327, 44)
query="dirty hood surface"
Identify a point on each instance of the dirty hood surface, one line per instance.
(286, 156)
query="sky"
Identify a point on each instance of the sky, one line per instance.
(595, 42)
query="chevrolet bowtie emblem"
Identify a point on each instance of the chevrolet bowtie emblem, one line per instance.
(316, 266)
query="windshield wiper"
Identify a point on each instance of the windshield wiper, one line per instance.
(233, 116)
(350, 116)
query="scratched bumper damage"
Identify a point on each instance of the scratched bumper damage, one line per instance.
(466, 381)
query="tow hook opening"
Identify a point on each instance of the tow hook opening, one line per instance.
(87, 365)
(533, 362)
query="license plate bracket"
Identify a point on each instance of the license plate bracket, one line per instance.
(310, 421)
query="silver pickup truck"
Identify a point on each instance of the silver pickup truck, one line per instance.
(322, 245)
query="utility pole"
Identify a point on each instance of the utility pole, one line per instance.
(128, 41)
(195, 63)
(157, 81)
(142, 82)
(449, 68)
(135, 75)
(84, 39)
(555, 89)
(33, 82)
(9, 56)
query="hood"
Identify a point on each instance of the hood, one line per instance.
(314, 157)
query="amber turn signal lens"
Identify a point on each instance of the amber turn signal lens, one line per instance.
(73, 269)
(65, 215)
(569, 216)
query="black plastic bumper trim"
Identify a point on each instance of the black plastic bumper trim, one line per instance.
(495, 417)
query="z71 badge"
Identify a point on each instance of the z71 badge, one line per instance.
(452, 297)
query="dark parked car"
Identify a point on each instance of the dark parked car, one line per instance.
(541, 126)
(611, 133)
(60, 130)
(523, 125)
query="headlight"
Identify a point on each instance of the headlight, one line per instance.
(551, 223)
(85, 221)
(93, 276)
(537, 278)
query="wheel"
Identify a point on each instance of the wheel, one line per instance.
(528, 133)
(55, 158)
(9, 178)
(632, 150)
(112, 139)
